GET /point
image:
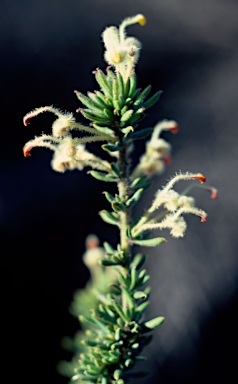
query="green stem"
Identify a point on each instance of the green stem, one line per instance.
(123, 188)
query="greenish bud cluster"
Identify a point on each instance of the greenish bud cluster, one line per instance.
(116, 109)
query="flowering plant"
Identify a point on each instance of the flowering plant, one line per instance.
(111, 307)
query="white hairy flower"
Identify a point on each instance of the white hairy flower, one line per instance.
(122, 52)
(176, 206)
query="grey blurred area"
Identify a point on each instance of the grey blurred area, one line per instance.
(190, 52)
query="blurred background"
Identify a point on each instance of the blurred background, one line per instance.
(190, 51)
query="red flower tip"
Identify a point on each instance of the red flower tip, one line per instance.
(167, 160)
(26, 120)
(26, 151)
(213, 193)
(79, 109)
(199, 177)
(203, 218)
(174, 129)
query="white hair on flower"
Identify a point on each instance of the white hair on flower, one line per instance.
(122, 52)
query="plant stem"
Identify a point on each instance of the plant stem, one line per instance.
(123, 188)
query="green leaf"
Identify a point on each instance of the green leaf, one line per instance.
(153, 323)
(115, 169)
(149, 242)
(111, 147)
(96, 100)
(108, 248)
(91, 115)
(105, 100)
(141, 134)
(140, 295)
(138, 115)
(102, 176)
(135, 197)
(127, 115)
(128, 304)
(120, 312)
(142, 95)
(110, 76)
(105, 130)
(133, 82)
(118, 207)
(152, 100)
(127, 130)
(102, 81)
(109, 197)
(87, 101)
(138, 261)
(108, 217)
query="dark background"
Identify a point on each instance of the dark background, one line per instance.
(190, 51)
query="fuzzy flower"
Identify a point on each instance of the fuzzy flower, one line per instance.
(69, 153)
(157, 153)
(122, 52)
(176, 206)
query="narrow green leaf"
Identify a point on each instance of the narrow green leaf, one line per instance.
(138, 115)
(140, 295)
(127, 130)
(127, 115)
(152, 100)
(142, 307)
(141, 134)
(108, 248)
(102, 176)
(91, 115)
(128, 304)
(118, 207)
(110, 76)
(153, 323)
(120, 312)
(105, 100)
(133, 82)
(118, 373)
(149, 242)
(109, 197)
(87, 101)
(126, 88)
(133, 278)
(108, 217)
(135, 197)
(108, 263)
(141, 97)
(115, 169)
(102, 81)
(96, 100)
(128, 232)
(138, 261)
(111, 147)
(105, 130)
(128, 362)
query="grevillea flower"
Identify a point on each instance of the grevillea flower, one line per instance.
(122, 52)
(69, 153)
(175, 205)
(157, 153)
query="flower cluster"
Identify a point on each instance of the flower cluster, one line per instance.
(174, 205)
(69, 153)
